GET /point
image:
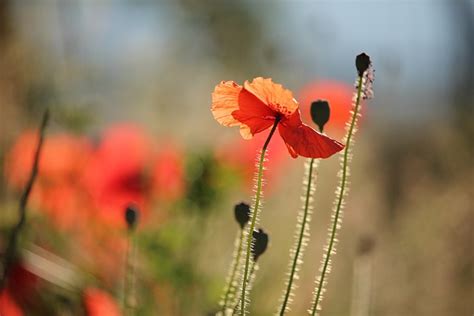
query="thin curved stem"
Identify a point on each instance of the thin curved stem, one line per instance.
(304, 223)
(235, 264)
(13, 240)
(340, 198)
(255, 210)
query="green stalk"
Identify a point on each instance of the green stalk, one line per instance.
(235, 264)
(11, 248)
(300, 239)
(255, 210)
(250, 281)
(129, 289)
(340, 198)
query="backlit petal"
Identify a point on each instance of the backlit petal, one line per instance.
(253, 114)
(225, 101)
(273, 95)
(305, 141)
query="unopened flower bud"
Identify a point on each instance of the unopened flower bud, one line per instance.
(362, 63)
(242, 214)
(131, 216)
(260, 239)
(320, 112)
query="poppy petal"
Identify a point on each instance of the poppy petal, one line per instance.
(305, 141)
(273, 95)
(254, 115)
(225, 101)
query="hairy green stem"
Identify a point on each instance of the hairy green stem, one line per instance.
(298, 250)
(255, 210)
(340, 198)
(250, 280)
(235, 264)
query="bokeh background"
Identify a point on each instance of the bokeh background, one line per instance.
(129, 83)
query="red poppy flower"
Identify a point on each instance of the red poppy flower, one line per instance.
(116, 174)
(100, 303)
(240, 156)
(127, 168)
(168, 173)
(8, 306)
(22, 284)
(56, 191)
(258, 105)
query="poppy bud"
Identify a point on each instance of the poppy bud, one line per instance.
(320, 112)
(131, 216)
(362, 63)
(242, 213)
(260, 239)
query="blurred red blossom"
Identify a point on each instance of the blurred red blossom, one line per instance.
(241, 155)
(118, 172)
(22, 284)
(61, 163)
(339, 96)
(126, 167)
(99, 303)
(8, 306)
(79, 182)
(84, 189)
(168, 173)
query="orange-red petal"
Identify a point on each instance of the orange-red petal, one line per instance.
(305, 141)
(253, 113)
(225, 100)
(273, 95)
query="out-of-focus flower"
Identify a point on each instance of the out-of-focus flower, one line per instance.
(22, 284)
(8, 306)
(126, 168)
(118, 172)
(241, 155)
(100, 303)
(61, 163)
(168, 173)
(261, 104)
(339, 96)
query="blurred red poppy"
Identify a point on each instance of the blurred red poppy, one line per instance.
(22, 284)
(8, 306)
(116, 174)
(127, 168)
(240, 155)
(339, 96)
(260, 104)
(99, 303)
(56, 190)
(168, 173)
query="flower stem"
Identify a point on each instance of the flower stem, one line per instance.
(300, 238)
(339, 198)
(13, 240)
(255, 210)
(230, 288)
(250, 281)
(129, 289)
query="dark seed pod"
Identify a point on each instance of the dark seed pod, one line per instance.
(362, 63)
(320, 113)
(260, 239)
(242, 214)
(131, 216)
